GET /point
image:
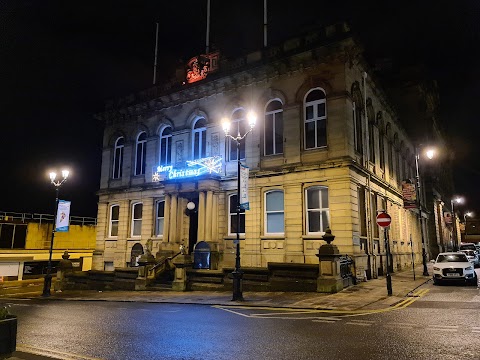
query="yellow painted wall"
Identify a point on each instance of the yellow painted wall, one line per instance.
(78, 237)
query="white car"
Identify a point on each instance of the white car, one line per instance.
(451, 266)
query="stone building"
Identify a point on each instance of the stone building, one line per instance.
(327, 151)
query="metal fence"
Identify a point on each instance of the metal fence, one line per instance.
(347, 270)
(46, 218)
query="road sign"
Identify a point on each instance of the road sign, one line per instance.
(384, 220)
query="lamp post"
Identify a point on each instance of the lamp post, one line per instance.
(430, 154)
(57, 183)
(457, 200)
(237, 273)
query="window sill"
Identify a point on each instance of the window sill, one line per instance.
(111, 239)
(273, 237)
(234, 237)
(134, 238)
(318, 236)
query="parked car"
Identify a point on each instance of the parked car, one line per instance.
(472, 256)
(468, 246)
(453, 266)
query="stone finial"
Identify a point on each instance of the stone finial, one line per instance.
(65, 255)
(328, 237)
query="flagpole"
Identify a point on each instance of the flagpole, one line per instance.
(207, 41)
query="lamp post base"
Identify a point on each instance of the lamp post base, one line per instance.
(47, 284)
(237, 285)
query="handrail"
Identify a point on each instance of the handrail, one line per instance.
(26, 217)
(164, 261)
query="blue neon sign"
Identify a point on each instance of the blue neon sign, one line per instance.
(209, 165)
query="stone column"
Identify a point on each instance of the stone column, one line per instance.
(172, 237)
(209, 216)
(201, 216)
(215, 215)
(166, 219)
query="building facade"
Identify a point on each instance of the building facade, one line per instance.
(327, 151)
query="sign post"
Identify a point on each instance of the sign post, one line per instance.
(384, 220)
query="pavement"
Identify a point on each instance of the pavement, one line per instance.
(368, 296)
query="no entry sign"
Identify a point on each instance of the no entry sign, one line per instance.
(384, 220)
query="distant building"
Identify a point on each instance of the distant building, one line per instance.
(328, 151)
(25, 244)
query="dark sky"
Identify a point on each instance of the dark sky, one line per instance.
(61, 60)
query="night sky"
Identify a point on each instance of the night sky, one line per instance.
(60, 61)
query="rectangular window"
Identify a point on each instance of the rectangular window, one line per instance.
(160, 218)
(274, 212)
(382, 152)
(362, 216)
(137, 209)
(374, 207)
(317, 210)
(13, 236)
(114, 218)
(274, 132)
(233, 217)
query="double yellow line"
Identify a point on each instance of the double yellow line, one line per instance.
(400, 305)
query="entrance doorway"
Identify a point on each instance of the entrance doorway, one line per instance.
(137, 251)
(193, 228)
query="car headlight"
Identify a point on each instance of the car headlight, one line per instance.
(436, 268)
(469, 268)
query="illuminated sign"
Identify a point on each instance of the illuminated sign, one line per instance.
(198, 67)
(194, 168)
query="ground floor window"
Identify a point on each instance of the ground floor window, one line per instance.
(232, 216)
(317, 209)
(274, 212)
(160, 218)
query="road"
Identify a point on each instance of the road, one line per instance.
(442, 322)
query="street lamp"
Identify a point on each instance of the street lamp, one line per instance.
(57, 183)
(458, 200)
(237, 273)
(430, 154)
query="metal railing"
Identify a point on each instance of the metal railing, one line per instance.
(346, 266)
(47, 218)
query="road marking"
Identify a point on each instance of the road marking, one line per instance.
(359, 323)
(48, 352)
(450, 328)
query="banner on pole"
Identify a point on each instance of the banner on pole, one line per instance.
(409, 194)
(244, 204)
(63, 216)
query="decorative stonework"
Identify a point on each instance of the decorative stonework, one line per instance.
(179, 151)
(215, 146)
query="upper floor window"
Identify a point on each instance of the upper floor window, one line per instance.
(315, 119)
(118, 158)
(381, 143)
(114, 219)
(317, 209)
(358, 128)
(238, 126)
(166, 146)
(232, 216)
(141, 153)
(371, 141)
(199, 134)
(159, 218)
(274, 212)
(273, 141)
(137, 209)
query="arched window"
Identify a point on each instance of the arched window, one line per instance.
(381, 141)
(166, 146)
(114, 219)
(232, 216)
(141, 153)
(396, 156)
(238, 126)
(388, 132)
(137, 209)
(273, 135)
(317, 210)
(371, 131)
(315, 119)
(274, 212)
(199, 135)
(357, 118)
(118, 158)
(159, 218)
